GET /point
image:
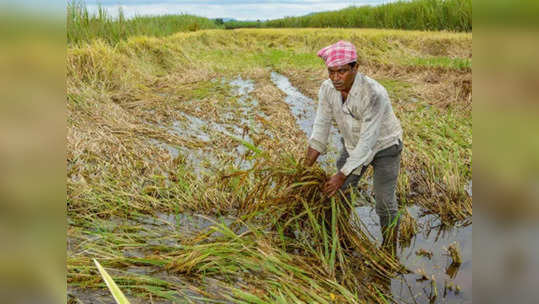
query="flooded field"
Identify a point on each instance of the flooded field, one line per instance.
(304, 110)
(207, 131)
(454, 285)
(183, 189)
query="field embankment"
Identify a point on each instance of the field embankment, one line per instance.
(182, 156)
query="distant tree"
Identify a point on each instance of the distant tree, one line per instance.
(219, 21)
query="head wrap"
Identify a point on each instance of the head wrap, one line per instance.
(337, 54)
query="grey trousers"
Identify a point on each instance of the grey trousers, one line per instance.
(386, 164)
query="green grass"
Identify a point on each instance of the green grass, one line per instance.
(445, 62)
(82, 26)
(242, 24)
(398, 90)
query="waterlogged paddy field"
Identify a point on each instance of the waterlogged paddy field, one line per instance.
(183, 162)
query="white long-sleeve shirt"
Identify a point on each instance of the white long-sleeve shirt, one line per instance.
(365, 120)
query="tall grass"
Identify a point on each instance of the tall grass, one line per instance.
(242, 24)
(83, 26)
(451, 15)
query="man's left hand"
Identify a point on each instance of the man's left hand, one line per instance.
(334, 183)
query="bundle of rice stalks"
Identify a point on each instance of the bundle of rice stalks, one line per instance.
(326, 257)
(454, 252)
(304, 220)
(408, 228)
(252, 267)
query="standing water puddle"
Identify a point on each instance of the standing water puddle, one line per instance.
(405, 289)
(304, 110)
(432, 239)
(234, 124)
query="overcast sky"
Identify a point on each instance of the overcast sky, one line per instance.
(237, 9)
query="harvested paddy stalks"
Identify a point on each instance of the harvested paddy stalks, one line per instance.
(454, 252)
(407, 229)
(424, 252)
(305, 221)
(289, 244)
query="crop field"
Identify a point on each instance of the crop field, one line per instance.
(185, 181)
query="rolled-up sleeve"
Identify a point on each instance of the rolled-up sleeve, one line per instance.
(364, 152)
(322, 123)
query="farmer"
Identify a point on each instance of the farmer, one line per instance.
(371, 134)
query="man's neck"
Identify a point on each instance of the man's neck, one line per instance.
(344, 95)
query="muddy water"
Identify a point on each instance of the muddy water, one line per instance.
(162, 229)
(407, 288)
(304, 110)
(431, 238)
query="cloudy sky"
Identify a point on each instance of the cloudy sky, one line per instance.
(237, 9)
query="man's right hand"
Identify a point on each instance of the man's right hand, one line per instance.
(312, 156)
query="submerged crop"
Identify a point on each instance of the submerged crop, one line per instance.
(184, 180)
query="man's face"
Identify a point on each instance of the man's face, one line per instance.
(342, 77)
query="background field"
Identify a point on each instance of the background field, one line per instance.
(429, 15)
(433, 15)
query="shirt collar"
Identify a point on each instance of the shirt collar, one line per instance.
(354, 90)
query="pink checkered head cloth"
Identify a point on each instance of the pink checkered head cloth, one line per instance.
(337, 54)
